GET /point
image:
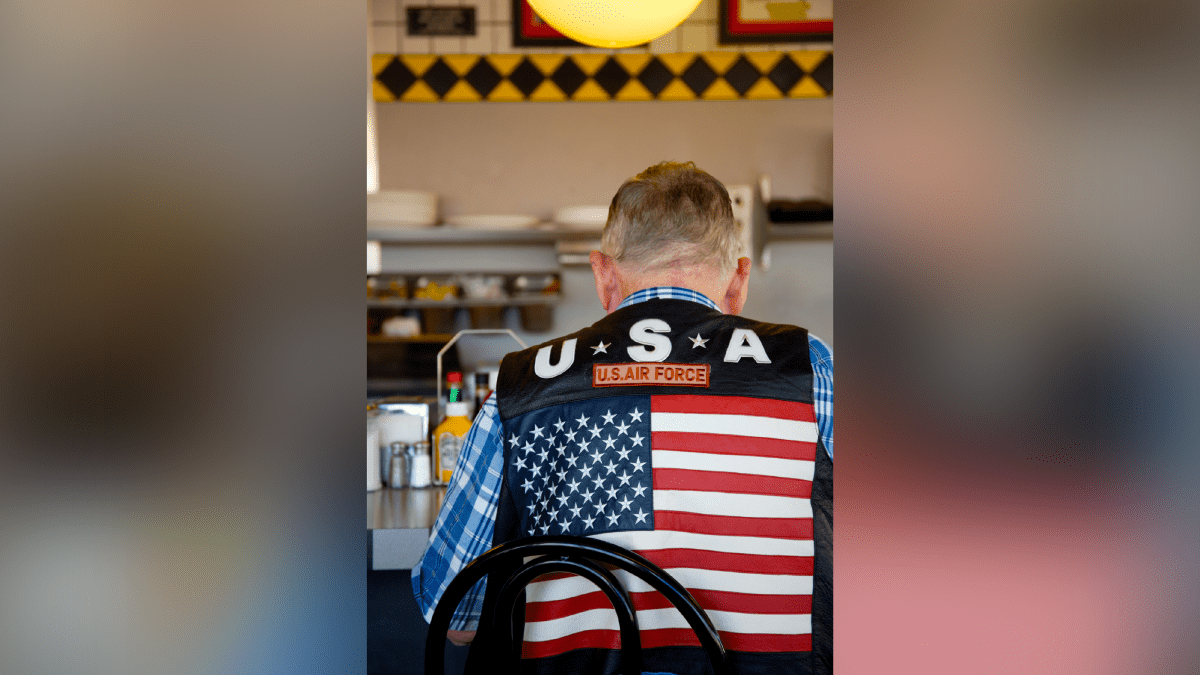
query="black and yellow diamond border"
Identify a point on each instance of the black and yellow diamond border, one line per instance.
(631, 76)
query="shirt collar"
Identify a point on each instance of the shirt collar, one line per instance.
(667, 293)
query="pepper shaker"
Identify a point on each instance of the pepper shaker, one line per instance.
(398, 471)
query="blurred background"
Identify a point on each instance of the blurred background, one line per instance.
(182, 352)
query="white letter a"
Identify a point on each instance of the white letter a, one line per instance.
(745, 343)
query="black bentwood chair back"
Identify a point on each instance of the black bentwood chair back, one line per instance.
(577, 555)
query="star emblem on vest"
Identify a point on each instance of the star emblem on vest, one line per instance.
(698, 341)
(601, 348)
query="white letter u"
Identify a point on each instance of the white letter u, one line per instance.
(541, 364)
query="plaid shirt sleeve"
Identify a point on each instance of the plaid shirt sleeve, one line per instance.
(466, 522)
(822, 364)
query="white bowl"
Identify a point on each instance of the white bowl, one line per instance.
(589, 217)
(493, 222)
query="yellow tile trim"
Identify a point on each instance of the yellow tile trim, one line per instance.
(504, 63)
(634, 91)
(808, 60)
(380, 61)
(590, 91)
(590, 64)
(807, 88)
(547, 63)
(462, 92)
(461, 63)
(418, 63)
(676, 91)
(547, 91)
(382, 94)
(419, 93)
(721, 61)
(633, 62)
(506, 91)
(720, 90)
(763, 89)
(676, 63)
(764, 61)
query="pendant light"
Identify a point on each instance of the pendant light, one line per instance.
(613, 24)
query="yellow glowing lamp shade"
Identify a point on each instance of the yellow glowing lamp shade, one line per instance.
(613, 23)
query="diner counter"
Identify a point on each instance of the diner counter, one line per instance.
(399, 522)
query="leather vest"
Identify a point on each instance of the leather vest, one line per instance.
(687, 435)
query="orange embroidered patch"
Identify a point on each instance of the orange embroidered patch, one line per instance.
(631, 374)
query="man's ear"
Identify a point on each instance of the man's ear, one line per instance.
(608, 286)
(739, 287)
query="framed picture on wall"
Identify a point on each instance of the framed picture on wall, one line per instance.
(530, 31)
(765, 21)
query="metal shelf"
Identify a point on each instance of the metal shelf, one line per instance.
(799, 231)
(421, 303)
(454, 235)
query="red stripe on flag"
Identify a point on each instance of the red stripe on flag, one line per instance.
(751, 603)
(608, 639)
(724, 444)
(745, 603)
(730, 562)
(733, 405)
(735, 526)
(667, 637)
(750, 642)
(740, 483)
(718, 561)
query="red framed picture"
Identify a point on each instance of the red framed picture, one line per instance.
(530, 31)
(760, 21)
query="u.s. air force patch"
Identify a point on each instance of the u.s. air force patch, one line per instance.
(637, 374)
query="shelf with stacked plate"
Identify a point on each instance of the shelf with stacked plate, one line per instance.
(408, 304)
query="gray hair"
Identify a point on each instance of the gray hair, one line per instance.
(672, 213)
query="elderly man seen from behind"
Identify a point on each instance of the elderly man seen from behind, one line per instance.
(672, 427)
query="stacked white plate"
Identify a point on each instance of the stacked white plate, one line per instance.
(582, 217)
(493, 222)
(402, 208)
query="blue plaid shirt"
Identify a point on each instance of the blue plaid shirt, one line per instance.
(466, 523)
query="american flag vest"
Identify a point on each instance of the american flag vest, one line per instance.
(688, 436)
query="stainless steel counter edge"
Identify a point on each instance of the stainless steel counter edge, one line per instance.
(400, 522)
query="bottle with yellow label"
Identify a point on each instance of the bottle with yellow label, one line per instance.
(448, 439)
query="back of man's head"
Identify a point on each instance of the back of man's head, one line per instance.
(672, 215)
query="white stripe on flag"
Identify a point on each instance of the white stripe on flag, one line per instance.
(734, 425)
(690, 577)
(654, 540)
(757, 466)
(730, 504)
(668, 617)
